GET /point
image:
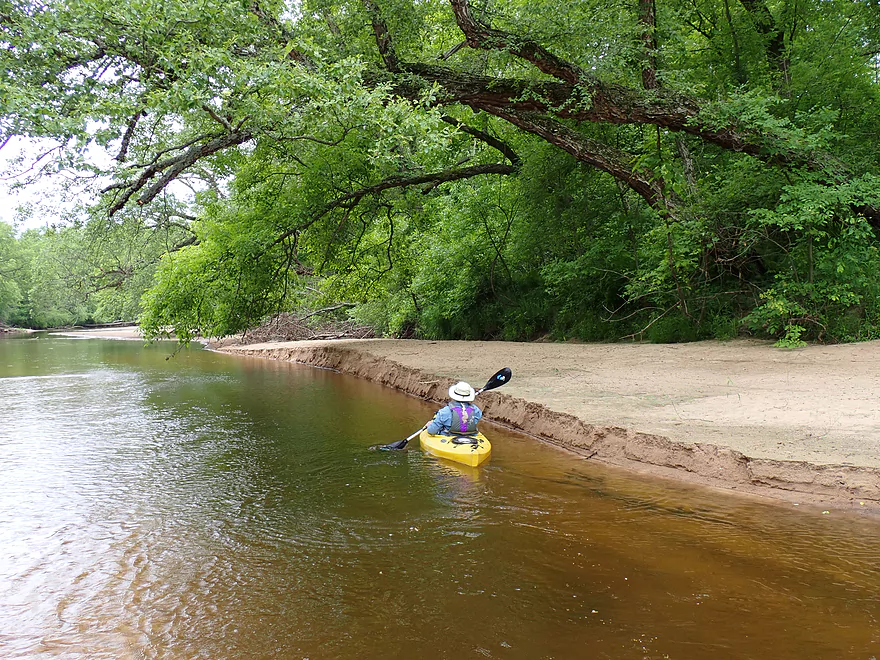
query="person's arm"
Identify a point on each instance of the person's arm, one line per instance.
(441, 421)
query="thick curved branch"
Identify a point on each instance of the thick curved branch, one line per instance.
(619, 164)
(583, 96)
(486, 38)
(602, 103)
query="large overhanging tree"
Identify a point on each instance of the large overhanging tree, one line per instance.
(311, 134)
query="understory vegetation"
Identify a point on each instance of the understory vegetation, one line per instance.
(660, 170)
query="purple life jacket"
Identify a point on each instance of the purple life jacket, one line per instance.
(463, 418)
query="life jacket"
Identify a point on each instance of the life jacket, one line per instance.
(463, 418)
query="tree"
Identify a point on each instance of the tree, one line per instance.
(10, 293)
(321, 143)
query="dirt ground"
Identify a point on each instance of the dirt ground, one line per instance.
(801, 424)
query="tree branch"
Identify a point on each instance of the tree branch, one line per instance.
(172, 167)
(602, 103)
(617, 163)
(494, 142)
(352, 199)
(223, 121)
(774, 39)
(383, 37)
(327, 310)
(485, 38)
(269, 20)
(129, 134)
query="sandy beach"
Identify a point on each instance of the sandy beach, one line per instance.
(799, 425)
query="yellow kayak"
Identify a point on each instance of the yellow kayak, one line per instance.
(470, 450)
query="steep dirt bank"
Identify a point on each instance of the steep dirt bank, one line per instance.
(801, 426)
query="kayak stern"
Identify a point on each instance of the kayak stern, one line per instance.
(461, 449)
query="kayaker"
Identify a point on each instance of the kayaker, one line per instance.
(459, 416)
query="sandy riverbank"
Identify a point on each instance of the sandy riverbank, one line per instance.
(795, 425)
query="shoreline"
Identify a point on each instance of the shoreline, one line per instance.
(708, 413)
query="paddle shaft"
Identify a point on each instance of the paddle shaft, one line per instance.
(408, 438)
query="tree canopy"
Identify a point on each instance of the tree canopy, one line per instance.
(674, 169)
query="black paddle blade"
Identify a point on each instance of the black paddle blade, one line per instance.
(498, 379)
(400, 444)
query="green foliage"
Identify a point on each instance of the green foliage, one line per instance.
(51, 297)
(85, 272)
(828, 264)
(10, 265)
(672, 329)
(215, 288)
(343, 180)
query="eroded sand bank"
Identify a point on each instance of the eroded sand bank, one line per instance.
(797, 425)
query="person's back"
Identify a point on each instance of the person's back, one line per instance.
(459, 416)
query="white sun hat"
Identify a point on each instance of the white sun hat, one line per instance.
(462, 392)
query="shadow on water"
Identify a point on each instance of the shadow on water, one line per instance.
(218, 507)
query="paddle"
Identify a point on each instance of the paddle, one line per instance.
(497, 380)
(400, 444)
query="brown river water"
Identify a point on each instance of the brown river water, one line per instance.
(208, 506)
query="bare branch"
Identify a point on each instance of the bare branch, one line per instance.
(223, 121)
(162, 152)
(494, 142)
(190, 157)
(350, 200)
(129, 134)
(326, 310)
(172, 167)
(452, 51)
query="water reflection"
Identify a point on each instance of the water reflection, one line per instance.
(213, 507)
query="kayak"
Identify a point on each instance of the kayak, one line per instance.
(470, 450)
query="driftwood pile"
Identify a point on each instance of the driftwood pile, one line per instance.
(291, 327)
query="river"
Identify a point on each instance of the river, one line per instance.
(210, 506)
